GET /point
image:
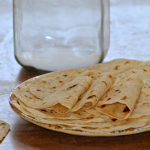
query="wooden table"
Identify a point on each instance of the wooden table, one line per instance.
(130, 38)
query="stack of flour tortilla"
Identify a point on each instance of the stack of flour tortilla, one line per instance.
(105, 97)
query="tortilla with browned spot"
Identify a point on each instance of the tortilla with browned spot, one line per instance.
(121, 98)
(117, 65)
(4, 129)
(26, 97)
(43, 86)
(95, 92)
(63, 100)
(142, 106)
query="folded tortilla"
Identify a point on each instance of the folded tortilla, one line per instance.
(26, 97)
(120, 100)
(4, 129)
(22, 92)
(142, 106)
(43, 86)
(95, 92)
(63, 100)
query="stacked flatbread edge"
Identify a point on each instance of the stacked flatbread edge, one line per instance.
(103, 98)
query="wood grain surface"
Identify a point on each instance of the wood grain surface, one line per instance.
(130, 38)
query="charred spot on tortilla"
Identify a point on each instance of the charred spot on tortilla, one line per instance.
(72, 86)
(118, 91)
(114, 119)
(69, 97)
(43, 110)
(91, 96)
(117, 67)
(109, 76)
(90, 117)
(126, 110)
(79, 99)
(92, 77)
(124, 98)
(3, 123)
(129, 79)
(38, 90)
(144, 70)
(103, 106)
(109, 99)
(127, 62)
(104, 83)
(53, 87)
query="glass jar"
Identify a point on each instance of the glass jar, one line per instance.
(53, 35)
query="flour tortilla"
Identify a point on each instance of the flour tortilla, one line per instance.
(31, 97)
(120, 100)
(26, 97)
(142, 72)
(52, 82)
(4, 129)
(63, 100)
(43, 86)
(95, 92)
(142, 106)
(117, 65)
